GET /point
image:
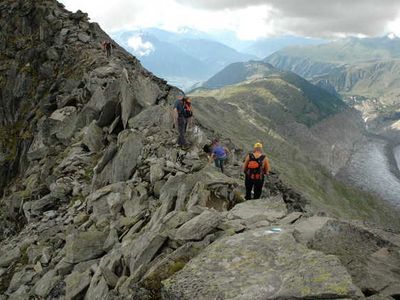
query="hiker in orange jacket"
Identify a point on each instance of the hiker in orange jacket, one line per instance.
(256, 166)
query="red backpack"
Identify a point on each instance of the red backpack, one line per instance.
(254, 169)
(186, 108)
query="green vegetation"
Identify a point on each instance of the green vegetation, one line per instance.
(251, 80)
(262, 110)
(10, 137)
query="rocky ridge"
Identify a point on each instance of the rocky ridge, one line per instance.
(110, 208)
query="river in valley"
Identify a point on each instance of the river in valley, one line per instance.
(373, 168)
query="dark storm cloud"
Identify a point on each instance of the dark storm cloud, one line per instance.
(319, 17)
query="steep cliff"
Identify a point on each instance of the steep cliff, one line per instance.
(55, 80)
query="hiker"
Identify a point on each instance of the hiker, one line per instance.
(255, 167)
(183, 115)
(107, 47)
(218, 154)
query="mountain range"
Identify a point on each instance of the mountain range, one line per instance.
(190, 57)
(182, 60)
(365, 71)
(354, 66)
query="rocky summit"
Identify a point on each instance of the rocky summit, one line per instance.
(99, 202)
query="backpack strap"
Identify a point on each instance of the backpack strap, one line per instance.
(261, 159)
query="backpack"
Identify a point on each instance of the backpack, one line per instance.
(254, 169)
(186, 109)
(207, 149)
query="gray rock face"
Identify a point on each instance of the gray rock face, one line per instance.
(259, 210)
(77, 283)
(46, 284)
(260, 265)
(143, 249)
(371, 255)
(36, 208)
(84, 246)
(122, 166)
(83, 37)
(20, 278)
(8, 256)
(157, 171)
(198, 227)
(93, 137)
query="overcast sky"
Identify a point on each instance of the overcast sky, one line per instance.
(250, 19)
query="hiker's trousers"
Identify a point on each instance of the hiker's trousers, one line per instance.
(182, 125)
(219, 163)
(251, 184)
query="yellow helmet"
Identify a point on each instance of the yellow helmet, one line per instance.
(258, 145)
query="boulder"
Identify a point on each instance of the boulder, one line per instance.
(306, 228)
(157, 171)
(98, 288)
(37, 207)
(198, 227)
(176, 218)
(153, 116)
(63, 113)
(146, 94)
(142, 250)
(372, 256)
(84, 246)
(123, 164)
(170, 264)
(20, 278)
(9, 255)
(76, 283)
(83, 37)
(93, 137)
(108, 155)
(109, 200)
(108, 114)
(259, 264)
(271, 209)
(44, 286)
(129, 104)
(137, 203)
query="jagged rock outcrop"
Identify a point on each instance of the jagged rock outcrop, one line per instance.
(110, 208)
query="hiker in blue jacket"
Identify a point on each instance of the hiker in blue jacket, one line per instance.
(219, 154)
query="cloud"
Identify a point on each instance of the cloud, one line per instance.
(319, 17)
(249, 19)
(140, 47)
(247, 23)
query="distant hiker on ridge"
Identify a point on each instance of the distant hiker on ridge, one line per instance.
(107, 46)
(218, 154)
(183, 115)
(256, 166)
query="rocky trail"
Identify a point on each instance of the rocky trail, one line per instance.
(178, 229)
(104, 205)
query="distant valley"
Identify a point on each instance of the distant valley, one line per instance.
(356, 147)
